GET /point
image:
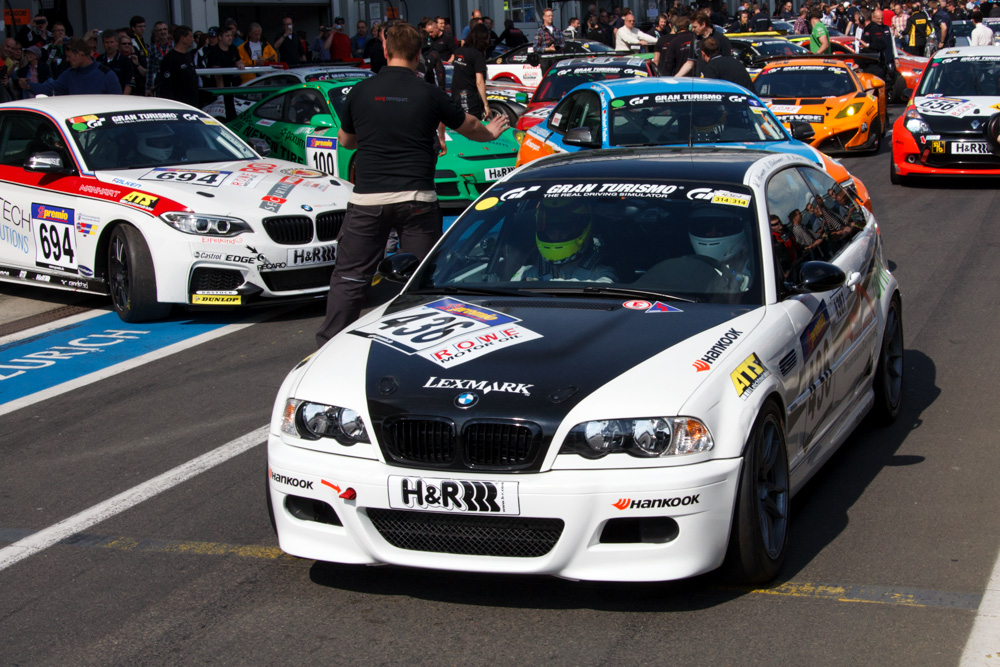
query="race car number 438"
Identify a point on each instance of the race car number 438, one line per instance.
(973, 147)
(453, 495)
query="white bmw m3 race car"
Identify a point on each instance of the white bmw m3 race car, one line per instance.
(157, 203)
(616, 365)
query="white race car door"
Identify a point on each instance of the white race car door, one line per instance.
(819, 319)
(38, 222)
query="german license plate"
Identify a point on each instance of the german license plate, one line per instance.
(453, 495)
(970, 148)
(324, 254)
(497, 173)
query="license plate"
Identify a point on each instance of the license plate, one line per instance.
(453, 495)
(970, 148)
(325, 254)
(497, 172)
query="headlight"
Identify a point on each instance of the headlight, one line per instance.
(915, 123)
(851, 110)
(644, 438)
(313, 421)
(205, 225)
(519, 136)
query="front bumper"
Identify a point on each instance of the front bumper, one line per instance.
(696, 501)
(471, 179)
(909, 158)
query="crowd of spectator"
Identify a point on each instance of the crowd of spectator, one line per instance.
(45, 59)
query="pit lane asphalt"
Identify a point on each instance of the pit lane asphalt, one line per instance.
(892, 543)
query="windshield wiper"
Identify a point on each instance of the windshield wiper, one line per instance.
(609, 291)
(473, 291)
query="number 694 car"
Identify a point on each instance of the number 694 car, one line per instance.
(157, 204)
(616, 365)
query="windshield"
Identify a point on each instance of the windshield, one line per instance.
(805, 81)
(651, 239)
(966, 75)
(154, 138)
(779, 47)
(696, 118)
(558, 83)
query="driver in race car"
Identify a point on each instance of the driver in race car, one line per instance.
(708, 122)
(720, 240)
(957, 80)
(567, 249)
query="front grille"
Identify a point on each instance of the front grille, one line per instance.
(289, 229)
(296, 279)
(499, 445)
(205, 279)
(328, 225)
(432, 442)
(421, 440)
(502, 536)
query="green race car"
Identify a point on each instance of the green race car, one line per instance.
(300, 123)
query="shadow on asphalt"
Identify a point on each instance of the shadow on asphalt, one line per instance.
(819, 515)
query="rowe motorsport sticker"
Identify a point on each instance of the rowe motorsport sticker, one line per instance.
(450, 495)
(447, 332)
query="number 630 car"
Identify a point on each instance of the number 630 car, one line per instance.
(616, 365)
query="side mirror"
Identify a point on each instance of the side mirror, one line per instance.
(322, 120)
(817, 277)
(802, 131)
(582, 137)
(992, 132)
(260, 145)
(399, 268)
(48, 162)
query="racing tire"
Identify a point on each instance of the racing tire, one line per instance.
(888, 383)
(758, 541)
(503, 109)
(877, 144)
(132, 278)
(898, 88)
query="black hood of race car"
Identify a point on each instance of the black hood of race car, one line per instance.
(584, 344)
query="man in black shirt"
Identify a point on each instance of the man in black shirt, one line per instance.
(224, 54)
(703, 28)
(672, 51)
(116, 62)
(287, 44)
(761, 22)
(442, 43)
(391, 120)
(726, 68)
(876, 40)
(180, 81)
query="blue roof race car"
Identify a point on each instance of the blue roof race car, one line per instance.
(671, 111)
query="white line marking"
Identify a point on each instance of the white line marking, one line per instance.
(54, 324)
(47, 537)
(983, 645)
(129, 364)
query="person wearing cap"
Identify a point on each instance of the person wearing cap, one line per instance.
(85, 76)
(35, 71)
(319, 52)
(390, 119)
(116, 62)
(201, 55)
(287, 44)
(337, 43)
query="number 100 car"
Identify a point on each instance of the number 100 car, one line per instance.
(616, 365)
(157, 204)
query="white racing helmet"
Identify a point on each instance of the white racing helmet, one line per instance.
(717, 234)
(156, 143)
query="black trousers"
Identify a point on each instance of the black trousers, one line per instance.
(360, 247)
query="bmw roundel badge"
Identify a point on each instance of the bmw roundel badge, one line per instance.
(466, 400)
(307, 207)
